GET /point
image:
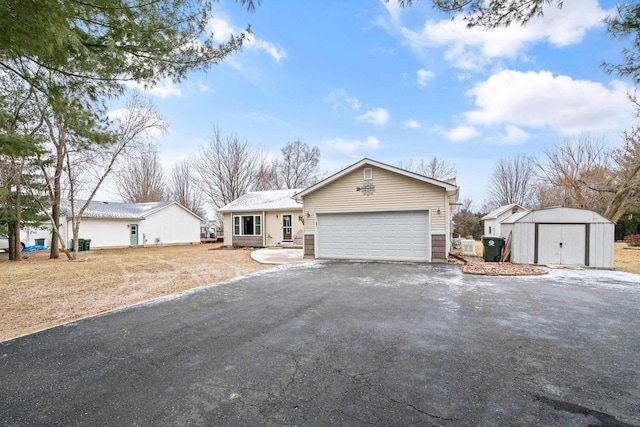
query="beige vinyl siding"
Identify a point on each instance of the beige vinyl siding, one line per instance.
(227, 224)
(392, 192)
(273, 227)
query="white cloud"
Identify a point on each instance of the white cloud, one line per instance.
(411, 124)
(424, 76)
(352, 146)
(462, 133)
(254, 43)
(223, 30)
(220, 30)
(469, 48)
(339, 97)
(378, 117)
(394, 9)
(164, 89)
(353, 101)
(540, 99)
(203, 88)
(513, 135)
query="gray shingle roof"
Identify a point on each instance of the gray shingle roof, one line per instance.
(114, 210)
(264, 201)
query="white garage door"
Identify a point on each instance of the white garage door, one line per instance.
(401, 236)
(562, 244)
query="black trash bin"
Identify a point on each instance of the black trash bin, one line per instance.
(492, 248)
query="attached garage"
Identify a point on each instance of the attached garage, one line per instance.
(562, 236)
(397, 235)
(375, 211)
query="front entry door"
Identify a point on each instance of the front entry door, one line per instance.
(287, 228)
(133, 230)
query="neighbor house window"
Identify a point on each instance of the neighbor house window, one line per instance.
(368, 173)
(247, 225)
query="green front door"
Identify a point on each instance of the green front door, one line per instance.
(133, 230)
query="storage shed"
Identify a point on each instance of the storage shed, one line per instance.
(560, 235)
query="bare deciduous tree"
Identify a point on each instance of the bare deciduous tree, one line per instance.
(466, 204)
(512, 181)
(625, 182)
(299, 167)
(571, 174)
(435, 168)
(142, 178)
(226, 169)
(183, 189)
(86, 163)
(266, 177)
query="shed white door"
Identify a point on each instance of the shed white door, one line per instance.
(562, 244)
(402, 236)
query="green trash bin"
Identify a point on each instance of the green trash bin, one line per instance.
(87, 244)
(492, 248)
(81, 245)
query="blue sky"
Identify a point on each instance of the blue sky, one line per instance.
(368, 79)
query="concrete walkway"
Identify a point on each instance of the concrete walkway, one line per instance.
(278, 256)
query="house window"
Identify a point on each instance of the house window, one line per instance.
(247, 225)
(368, 173)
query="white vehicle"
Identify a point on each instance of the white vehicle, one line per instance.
(4, 243)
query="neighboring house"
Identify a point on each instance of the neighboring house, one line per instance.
(210, 231)
(563, 236)
(493, 220)
(372, 210)
(113, 224)
(263, 219)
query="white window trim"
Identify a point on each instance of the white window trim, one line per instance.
(256, 219)
(368, 173)
(292, 227)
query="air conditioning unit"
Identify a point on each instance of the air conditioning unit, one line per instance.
(468, 247)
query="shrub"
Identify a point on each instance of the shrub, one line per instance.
(632, 239)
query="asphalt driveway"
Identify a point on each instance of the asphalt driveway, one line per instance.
(344, 343)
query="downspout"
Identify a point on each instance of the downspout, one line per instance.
(264, 229)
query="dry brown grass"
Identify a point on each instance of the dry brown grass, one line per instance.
(626, 259)
(38, 292)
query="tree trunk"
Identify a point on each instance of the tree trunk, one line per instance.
(57, 195)
(16, 250)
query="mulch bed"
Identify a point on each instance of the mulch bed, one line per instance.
(478, 266)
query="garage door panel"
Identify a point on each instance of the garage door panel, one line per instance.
(400, 235)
